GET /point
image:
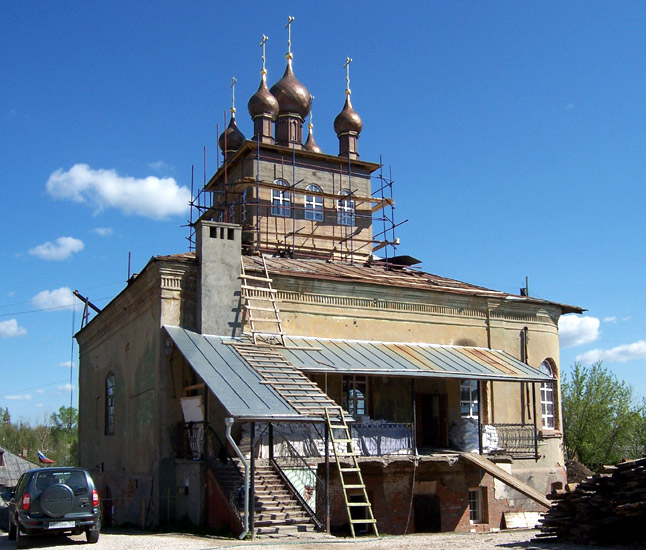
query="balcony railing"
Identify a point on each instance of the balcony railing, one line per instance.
(516, 440)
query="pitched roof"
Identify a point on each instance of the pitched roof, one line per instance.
(12, 467)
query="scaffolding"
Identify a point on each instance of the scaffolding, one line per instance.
(281, 220)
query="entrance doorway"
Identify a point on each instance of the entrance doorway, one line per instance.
(431, 414)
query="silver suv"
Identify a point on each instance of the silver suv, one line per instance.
(54, 500)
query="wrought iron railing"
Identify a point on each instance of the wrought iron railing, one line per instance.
(516, 440)
(301, 478)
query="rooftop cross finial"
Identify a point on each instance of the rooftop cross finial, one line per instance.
(311, 124)
(290, 20)
(262, 45)
(346, 66)
(233, 95)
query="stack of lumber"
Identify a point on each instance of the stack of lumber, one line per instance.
(607, 508)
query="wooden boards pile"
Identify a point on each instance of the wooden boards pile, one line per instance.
(606, 508)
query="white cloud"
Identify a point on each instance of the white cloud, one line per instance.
(38, 405)
(66, 387)
(11, 328)
(612, 320)
(578, 330)
(61, 250)
(61, 298)
(150, 197)
(160, 166)
(67, 364)
(22, 397)
(103, 231)
(40, 391)
(619, 354)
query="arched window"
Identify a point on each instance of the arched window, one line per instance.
(345, 209)
(469, 399)
(314, 204)
(547, 397)
(109, 404)
(281, 200)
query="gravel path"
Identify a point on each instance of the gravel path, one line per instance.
(119, 540)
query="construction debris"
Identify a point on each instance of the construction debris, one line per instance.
(607, 508)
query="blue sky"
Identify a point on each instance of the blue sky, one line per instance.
(515, 132)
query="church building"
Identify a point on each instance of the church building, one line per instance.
(291, 372)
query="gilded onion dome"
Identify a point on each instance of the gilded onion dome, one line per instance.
(347, 120)
(310, 144)
(232, 138)
(263, 103)
(292, 96)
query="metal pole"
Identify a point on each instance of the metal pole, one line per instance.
(252, 486)
(327, 478)
(479, 418)
(271, 441)
(535, 423)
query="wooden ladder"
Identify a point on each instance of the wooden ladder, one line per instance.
(259, 301)
(351, 478)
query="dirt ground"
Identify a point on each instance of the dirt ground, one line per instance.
(122, 540)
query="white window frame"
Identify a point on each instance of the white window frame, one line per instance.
(314, 204)
(243, 205)
(469, 399)
(548, 397)
(476, 511)
(281, 200)
(345, 214)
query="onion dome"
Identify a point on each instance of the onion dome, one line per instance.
(292, 96)
(347, 120)
(310, 144)
(232, 138)
(262, 103)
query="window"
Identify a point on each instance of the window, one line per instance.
(232, 213)
(109, 404)
(314, 204)
(547, 397)
(469, 398)
(220, 215)
(475, 505)
(281, 200)
(345, 209)
(355, 395)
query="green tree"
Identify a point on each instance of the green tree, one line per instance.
(65, 436)
(600, 420)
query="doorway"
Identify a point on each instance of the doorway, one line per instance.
(431, 413)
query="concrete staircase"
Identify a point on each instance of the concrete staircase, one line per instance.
(277, 512)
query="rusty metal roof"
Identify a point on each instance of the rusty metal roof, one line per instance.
(405, 359)
(380, 274)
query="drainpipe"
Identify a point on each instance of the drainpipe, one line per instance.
(228, 422)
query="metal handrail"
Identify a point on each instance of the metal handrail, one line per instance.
(516, 440)
(296, 463)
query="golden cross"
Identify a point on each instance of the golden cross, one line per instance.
(346, 66)
(290, 19)
(233, 95)
(262, 45)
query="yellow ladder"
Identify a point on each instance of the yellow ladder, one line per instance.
(259, 301)
(351, 478)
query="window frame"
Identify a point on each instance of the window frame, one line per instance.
(313, 204)
(281, 200)
(110, 395)
(476, 506)
(355, 395)
(472, 400)
(548, 397)
(346, 209)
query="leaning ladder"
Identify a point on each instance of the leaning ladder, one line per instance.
(351, 478)
(259, 301)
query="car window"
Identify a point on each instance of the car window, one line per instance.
(74, 479)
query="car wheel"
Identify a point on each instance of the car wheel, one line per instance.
(11, 531)
(92, 534)
(21, 540)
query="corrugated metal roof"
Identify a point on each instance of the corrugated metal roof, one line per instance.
(241, 390)
(405, 359)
